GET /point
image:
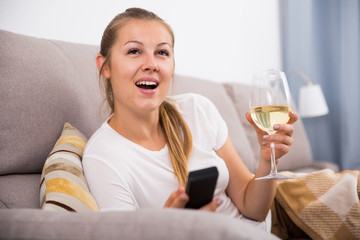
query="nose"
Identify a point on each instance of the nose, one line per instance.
(150, 64)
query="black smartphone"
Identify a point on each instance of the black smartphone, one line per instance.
(201, 186)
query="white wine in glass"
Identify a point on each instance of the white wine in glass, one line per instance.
(270, 104)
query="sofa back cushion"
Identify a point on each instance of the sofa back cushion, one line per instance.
(43, 84)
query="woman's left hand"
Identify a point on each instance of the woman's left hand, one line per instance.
(283, 138)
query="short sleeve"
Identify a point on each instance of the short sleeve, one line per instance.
(207, 126)
(217, 124)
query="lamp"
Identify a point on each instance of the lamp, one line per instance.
(311, 98)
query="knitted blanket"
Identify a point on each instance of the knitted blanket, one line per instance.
(322, 204)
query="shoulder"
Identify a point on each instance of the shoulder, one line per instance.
(97, 137)
(192, 101)
(103, 141)
(207, 127)
(197, 110)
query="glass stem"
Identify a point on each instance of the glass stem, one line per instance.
(273, 160)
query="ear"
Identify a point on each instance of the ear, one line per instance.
(100, 59)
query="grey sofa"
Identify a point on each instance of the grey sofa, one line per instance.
(45, 83)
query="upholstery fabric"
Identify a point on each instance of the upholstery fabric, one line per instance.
(19, 191)
(145, 224)
(63, 185)
(43, 83)
(300, 154)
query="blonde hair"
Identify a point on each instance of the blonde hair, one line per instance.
(177, 133)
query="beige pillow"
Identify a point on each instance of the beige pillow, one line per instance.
(63, 186)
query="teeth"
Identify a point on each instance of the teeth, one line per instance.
(146, 83)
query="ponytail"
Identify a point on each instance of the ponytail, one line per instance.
(178, 138)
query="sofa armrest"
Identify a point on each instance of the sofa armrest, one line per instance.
(144, 224)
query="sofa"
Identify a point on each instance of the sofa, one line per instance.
(45, 83)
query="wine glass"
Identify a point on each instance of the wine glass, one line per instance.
(269, 104)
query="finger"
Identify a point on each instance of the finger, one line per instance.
(180, 201)
(251, 121)
(278, 139)
(173, 196)
(293, 117)
(284, 129)
(281, 149)
(249, 118)
(213, 205)
(170, 200)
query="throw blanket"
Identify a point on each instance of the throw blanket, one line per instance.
(319, 205)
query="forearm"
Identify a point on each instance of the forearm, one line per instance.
(259, 194)
(252, 197)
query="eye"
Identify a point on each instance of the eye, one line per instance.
(163, 53)
(133, 51)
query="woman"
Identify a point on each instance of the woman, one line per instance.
(140, 157)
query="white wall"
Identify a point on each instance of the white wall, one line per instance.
(225, 41)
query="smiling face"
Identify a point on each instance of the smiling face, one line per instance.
(141, 66)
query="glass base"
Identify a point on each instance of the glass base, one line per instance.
(275, 176)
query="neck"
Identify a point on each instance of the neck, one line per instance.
(143, 129)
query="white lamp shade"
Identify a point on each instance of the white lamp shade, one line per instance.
(312, 101)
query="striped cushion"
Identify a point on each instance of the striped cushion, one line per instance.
(63, 186)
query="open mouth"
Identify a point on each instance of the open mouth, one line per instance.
(148, 85)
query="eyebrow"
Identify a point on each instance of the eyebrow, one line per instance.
(138, 42)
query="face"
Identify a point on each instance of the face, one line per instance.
(142, 66)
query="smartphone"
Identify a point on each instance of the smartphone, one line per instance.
(201, 186)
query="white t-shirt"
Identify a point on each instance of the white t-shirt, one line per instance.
(123, 175)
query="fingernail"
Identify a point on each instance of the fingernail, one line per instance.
(219, 202)
(292, 113)
(183, 198)
(266, 137)
(263, 143)
(276, 127)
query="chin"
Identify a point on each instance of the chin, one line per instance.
(150, 107)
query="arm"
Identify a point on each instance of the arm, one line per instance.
(254, 198)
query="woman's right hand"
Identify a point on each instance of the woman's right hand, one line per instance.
(179, 198)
